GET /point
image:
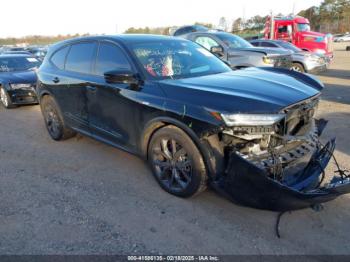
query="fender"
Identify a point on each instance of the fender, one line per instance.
(42, 93)
(156, 123)
(308, 79)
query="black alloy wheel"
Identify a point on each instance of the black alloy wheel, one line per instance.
(176, 162)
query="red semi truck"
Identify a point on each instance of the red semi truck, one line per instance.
(296, 29)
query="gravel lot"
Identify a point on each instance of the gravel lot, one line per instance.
(83, 197)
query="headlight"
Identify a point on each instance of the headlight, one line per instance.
(20, 86)
(268, 60)
(320, 51)
(251, 119)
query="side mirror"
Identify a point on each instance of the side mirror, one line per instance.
(217, 50)
(121, 77)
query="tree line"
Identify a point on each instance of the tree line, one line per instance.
(331, 16)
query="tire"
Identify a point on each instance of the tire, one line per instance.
(54, 120)
(180, 172)
(5, 99)
(298, 67)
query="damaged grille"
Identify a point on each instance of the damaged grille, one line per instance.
(281, 148)
(283, 61)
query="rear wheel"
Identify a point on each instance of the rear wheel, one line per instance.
(298, 67)
(5, 99)
(176, 162)
(54, 120)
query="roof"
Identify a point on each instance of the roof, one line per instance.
(297, 19)
(126, 38)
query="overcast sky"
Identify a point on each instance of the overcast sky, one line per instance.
(52, 17)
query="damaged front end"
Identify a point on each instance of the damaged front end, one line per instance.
(279, 164)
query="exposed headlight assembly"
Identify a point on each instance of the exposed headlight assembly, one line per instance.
(268, 60)
(252, 119)
(21, 86)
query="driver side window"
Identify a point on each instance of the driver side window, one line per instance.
(206, 42)
(109, 58)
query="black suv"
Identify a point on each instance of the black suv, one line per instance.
(249, 133)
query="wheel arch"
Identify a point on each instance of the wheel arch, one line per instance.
(300, 63)
(44, 93)
(157, 123)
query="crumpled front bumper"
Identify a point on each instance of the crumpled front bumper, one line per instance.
(21, 97)
(249, 185)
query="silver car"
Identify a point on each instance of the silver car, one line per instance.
(303, 61)
(239, 53)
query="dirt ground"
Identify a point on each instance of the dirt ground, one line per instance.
(84, 197)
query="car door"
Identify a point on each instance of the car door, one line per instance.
(74, 79)
(110, 114)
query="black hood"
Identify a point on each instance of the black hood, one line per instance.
(22, 77)
(250, 90)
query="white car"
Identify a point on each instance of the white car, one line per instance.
(343, 38)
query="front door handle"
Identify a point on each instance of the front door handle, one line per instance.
(91, 88)
(56, 80)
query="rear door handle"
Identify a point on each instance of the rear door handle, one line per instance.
(56, 80)
(91, 88)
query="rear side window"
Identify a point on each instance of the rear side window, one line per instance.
(110, 57)
(80, 57)
(59, 57)
(267, 44)
(255, 43)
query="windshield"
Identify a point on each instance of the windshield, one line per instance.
(233, 41)
(289, 46)
(303, 27)
(8, 64)
(177, 59)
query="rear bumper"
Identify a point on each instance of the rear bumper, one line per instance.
(23, 97)
(249, 185)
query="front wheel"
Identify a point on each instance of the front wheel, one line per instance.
(176, 162)
(298, 67)
(5, 99)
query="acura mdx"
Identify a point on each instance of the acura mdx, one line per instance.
(249, 133)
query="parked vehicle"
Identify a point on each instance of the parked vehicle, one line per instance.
(296, 29)
(189, 29)
(238, 52)
(344, 38)
(303, 61)
(337, 36)
(16, 49)
(17, 80)
(15, 53)
(38, 52)
(250, 133)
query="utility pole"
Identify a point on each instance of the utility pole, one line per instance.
(293, 8)
(272, 26)
(243, 18)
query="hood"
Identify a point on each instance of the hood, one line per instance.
(265, 51)
(249, 90)
(312, 33)
(21, 77)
